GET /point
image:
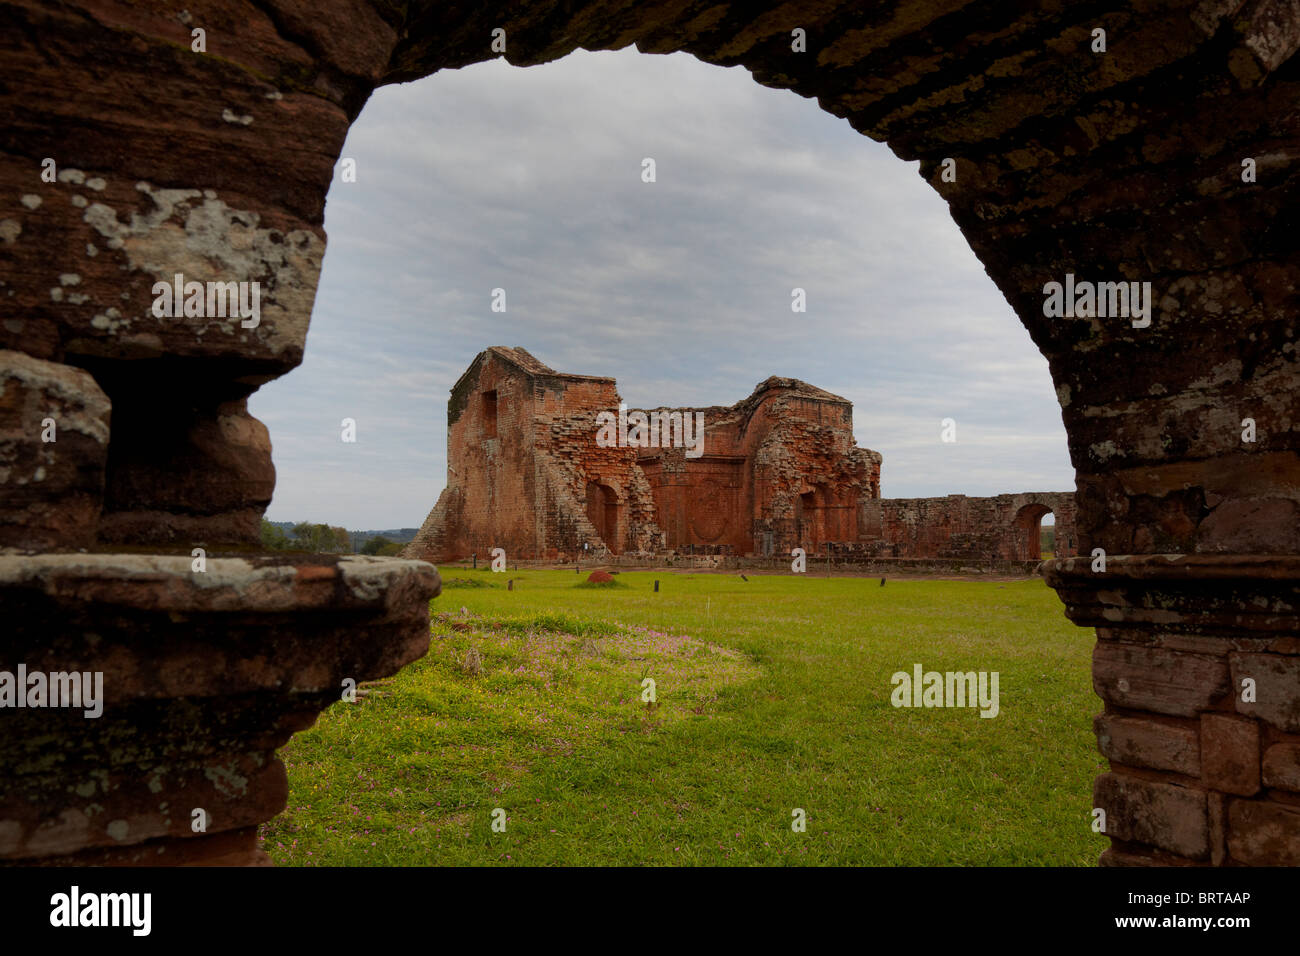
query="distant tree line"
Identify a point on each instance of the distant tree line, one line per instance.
(381, 546)
(306, 536)
(322, 539)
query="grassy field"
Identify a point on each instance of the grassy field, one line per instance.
(771, 694)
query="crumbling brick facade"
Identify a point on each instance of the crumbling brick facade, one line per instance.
(527, 471)
(524, 473)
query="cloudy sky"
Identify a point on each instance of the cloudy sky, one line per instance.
(530, 180)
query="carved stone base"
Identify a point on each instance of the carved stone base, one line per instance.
(204, 675)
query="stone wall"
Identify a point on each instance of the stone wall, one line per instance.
(778, 469)
(1004, 527)
(520, 462)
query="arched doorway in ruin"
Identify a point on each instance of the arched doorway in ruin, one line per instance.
(1058, 161)
(602, 512)
(806, 524)
(1027, 544)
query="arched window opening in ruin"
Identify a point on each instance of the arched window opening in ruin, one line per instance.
(490, 414)
(1047, 537)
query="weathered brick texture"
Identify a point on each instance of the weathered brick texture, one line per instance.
(1276, 690)
(1230, 754)
(1264, 834)
(1002, 527)
(1282, 767)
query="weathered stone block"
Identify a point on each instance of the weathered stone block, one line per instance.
(1262, 833)
(1230, 754)
(1281, 767)
(1140, 742)
(1163, 815)
(1157, 679)
(51, 491)
(1276, 691)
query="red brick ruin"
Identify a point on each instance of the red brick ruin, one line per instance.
(1168, 157)
(527, 472)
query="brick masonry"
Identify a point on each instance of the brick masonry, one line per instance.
(779, 470)
(1201, 696)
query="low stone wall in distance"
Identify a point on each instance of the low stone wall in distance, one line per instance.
(882, 567)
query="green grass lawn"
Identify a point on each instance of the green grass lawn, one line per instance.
(771, 695)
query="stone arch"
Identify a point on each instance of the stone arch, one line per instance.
(824, 517)
(1029, 521)
(807, 508)
(603, 512)
(1057, 163)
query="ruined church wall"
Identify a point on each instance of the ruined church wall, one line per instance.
(779, 470)
(957, 526)
(701, 501)
(809, 475)
(758, 458)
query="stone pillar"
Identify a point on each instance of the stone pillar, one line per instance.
(1181, 416)
(1198, 665)
(205, 671)
(138, 158)
(224, 454)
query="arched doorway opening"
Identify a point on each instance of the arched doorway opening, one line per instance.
(1028, 543)
(806, 521)
(602, 511)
